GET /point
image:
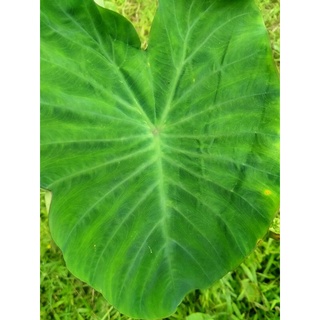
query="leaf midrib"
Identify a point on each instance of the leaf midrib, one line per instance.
(163, 199)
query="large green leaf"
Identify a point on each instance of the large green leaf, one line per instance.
(163, 164)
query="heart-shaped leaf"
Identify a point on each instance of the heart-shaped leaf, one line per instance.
(163, 164)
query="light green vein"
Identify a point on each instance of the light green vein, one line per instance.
(202, 44)
(215, 157)
(194, 259)
(95, 141)
(143, 245)
(120, 183)
(96, 85)
(163, 206)
(129, 214)
(216, 106)
(209, 209)
(200, 81)
(91, 113)
(197, 176)
(219, 135)
(113, 65)
(90, 169)
(199, 232)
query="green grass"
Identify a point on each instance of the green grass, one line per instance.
(139, 12)
(250, 292)
(271, 14)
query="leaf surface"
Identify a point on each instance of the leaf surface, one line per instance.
(163, 164)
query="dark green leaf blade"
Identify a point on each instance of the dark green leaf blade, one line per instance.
(163, 164)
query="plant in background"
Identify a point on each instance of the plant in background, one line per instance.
(163, 164)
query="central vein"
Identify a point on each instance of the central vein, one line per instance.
(162, 186)
(163, 201)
